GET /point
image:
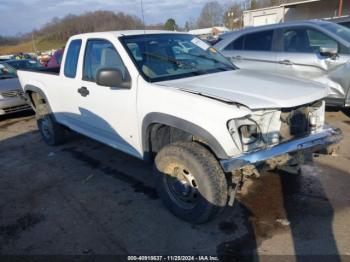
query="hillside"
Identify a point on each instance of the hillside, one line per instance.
(55, 33)
(27, 46)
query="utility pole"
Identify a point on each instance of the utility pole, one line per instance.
(340, 11)
(33, 43)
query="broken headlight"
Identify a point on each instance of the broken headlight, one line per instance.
(249, 134)
(246, 133)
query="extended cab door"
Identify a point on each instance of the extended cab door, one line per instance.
(107, 114)
(253, 51)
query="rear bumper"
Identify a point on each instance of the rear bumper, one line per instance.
(311, 143)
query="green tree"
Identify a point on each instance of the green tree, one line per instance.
(171, 25)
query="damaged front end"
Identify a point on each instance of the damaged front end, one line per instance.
(269, 139)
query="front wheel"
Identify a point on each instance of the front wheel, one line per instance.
(190, 182)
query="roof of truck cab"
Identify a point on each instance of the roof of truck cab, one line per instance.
(125, 33)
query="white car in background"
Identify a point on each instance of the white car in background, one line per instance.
(11, 93)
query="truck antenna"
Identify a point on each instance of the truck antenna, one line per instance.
(143, 18)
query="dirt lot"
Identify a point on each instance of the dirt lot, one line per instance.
(86, 198)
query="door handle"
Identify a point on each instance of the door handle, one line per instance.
(238, 57)
(83, 91)
(286, 62)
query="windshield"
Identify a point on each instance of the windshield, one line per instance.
(7, 71)
(162, 57)
(339, 30)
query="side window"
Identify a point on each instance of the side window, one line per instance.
(100, 54)
(318, 39)
(235, 45)
(72, 57)
(261, 41)
(304, 40)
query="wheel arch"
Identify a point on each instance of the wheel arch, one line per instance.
(178, 123)
(29, 90)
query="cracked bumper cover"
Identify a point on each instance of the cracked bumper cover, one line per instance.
(313, 142)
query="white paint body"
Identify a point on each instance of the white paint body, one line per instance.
(115, 116)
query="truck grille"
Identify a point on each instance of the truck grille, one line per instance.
(12, 93)
(14, 109)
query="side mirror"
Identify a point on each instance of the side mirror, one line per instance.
(329, 51)
(112, 77)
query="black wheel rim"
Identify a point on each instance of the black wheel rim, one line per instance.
(182, 187)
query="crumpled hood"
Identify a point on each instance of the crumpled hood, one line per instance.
(254, 89)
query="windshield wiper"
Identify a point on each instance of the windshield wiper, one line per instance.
(170, 59)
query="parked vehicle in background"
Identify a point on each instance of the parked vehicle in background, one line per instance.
(24, 64)
(344, 21)
(11, 93)
(316, 50)
(55, 60)
(208, 124)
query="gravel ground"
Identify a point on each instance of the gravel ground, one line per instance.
(85, 198)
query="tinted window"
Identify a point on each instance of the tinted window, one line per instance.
(100, 54)
(261, 41)
(70, 67)
(346, 24)
(7, 71)
(304, 40)
(339, 30)
(236, 44)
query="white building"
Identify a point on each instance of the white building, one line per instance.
(301, 10)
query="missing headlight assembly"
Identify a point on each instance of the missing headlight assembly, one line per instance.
(269, 127)
(256, 131)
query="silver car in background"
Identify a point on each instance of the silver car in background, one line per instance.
(11, 94)
(316, 50)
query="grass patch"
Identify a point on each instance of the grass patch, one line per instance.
(27, 47)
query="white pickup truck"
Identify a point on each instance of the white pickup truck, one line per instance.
(171, 98)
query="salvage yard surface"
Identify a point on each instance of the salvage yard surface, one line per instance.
(86, 198)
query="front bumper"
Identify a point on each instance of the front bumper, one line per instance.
(311, 143)
(13, 105)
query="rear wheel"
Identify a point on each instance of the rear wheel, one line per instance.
(52, 132)
(190, 181)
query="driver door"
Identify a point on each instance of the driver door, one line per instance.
(107, 114)
(300, 56)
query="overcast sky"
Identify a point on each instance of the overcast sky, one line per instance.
(22, 16)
